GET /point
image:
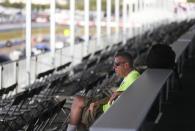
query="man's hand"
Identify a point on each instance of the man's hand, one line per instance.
(114, 97)
(93, 106)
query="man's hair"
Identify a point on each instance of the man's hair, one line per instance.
(127, 56)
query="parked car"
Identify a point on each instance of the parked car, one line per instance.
(16, 54)
(42, 46)
(8, 43)
(4, 58)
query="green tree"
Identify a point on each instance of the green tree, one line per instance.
(14, 5)
(79, 5)
(39, 7)
(62, 6)
(191, 0)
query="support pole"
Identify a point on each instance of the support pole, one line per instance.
(98, 23)
(117, 11)
(28, 40)
(124, 21)
(129, 26)
(108, 9)
(72, 27)
(52, 30)
(86, 26)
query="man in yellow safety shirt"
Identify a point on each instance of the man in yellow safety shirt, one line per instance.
(84, 109)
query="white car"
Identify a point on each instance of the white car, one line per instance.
(59, 45)
(35, 51)
(15, 55)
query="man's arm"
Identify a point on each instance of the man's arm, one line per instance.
(98, 103)
(114, 96)
(103, 101)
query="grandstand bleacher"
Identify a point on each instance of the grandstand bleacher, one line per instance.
(36, 108)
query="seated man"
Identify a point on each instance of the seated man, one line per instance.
(123, 66)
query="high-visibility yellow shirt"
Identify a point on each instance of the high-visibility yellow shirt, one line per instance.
(127, 81)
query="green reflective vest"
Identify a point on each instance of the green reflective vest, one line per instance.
(127, 81)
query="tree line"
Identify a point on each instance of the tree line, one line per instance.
(79, 5)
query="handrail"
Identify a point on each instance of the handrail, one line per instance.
(131, 108)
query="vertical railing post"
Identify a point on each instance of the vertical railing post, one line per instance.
(17, 76)
(36, 66)
(1, 77)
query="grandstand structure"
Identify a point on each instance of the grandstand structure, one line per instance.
(29, 87)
